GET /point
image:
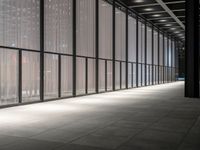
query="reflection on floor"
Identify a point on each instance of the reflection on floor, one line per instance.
(149, 118)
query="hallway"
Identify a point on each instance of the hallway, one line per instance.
(148, 118)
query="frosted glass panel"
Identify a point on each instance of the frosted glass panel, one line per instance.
(161, 50)
(139, 74)
(105, 30)
(30, 76)
(149, 45)
(8, 76)
(91, 75)
(109, 75)
(117, 75)
(58, 26)
(155, 48)
(81, 76)
(123, 73)
(66, 76)
(132, 39)
(166, 52)
(130, 75)
(51, 76)
(19, 23)
(170, 54)
(134, 75)
(120, 37)
(85, 28)
(102, 75)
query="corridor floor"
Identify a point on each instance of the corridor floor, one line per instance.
(148, 118)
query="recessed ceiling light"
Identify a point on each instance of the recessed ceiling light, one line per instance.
(177, 32)
(173, 29)
(139, 1)
(163, 20)
(156, 15)
(148, 9)
(167, 25)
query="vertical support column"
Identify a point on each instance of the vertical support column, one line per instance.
(137, 49)
(167, 58)
(86, 75)
(106, 75)
(145, 55)
(127, 48)
(163, 58)
(97, 46)
(59, 75)
(192, 49)
(172, 56)
(158, 57)
(74, 47)
(152, 56)
(113, 44)
(42, 50)
(20, 76)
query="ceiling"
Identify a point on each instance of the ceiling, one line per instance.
(168, 15)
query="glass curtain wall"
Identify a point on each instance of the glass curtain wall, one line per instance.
(21, 63)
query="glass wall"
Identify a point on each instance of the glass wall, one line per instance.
(30, 72)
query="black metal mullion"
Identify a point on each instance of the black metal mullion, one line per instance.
(171, 60)
(86, 75)
(167, 58)
(74, 47)
(106, 75)
(163, 58)
(120, 73)
(97, 46)
(152, 56)
(127, 29)
(137, 53)
(132, 77)
(59, 75)
(145, 59)
(113, 44)
(20, 76)
(158, 67)
(42, 50)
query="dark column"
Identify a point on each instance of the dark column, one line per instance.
(192, 49)
(152, 72)
(127, 48)
(145, 48)
(42, 50)
(137, 46)
(97, 46)
(113, 45)
(74, 47)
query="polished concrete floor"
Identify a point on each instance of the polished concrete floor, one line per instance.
(149, 118)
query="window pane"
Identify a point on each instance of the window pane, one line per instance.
(105, 30)
(80, 77)
(102, 75)
(91, 75)
(109, 75)
(117, 75)
(86, 28)
(30, 76)
(8, 76)
(19, 23)
(58, 26)
(51, 76)
(66, 76)
(120, 38)
(132, 39)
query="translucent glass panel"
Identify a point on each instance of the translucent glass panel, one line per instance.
(19, 23)
(8, 76)
(120, 35)
(85, 28)
(139, 75)
(149, 45)
(123, 75)
(141, 41)
(102, 78)
(161, 50)
(161, 74)
(130, 75)
(30, 76)
(134, 75)
(66, 76)
(131, 39)
(117, 75)
(80, 76)
(58, 26)
(105, 30)
(166, 52)
(155, 48)
(170, 54)
(143, 74)
(51, 76)
(109, 75)
(91, 75)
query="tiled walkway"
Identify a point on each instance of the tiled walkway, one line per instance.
(149, 118)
